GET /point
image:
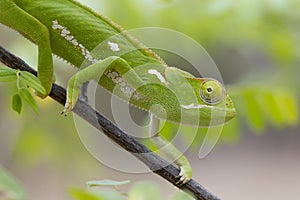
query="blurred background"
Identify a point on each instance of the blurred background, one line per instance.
(255, 45)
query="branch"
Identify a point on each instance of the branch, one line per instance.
(130, 144)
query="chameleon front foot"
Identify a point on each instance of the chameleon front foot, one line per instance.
(73, 92)
(184, 175)
(68, 108)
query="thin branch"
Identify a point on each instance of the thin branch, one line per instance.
(130, 144)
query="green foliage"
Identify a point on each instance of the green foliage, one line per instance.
(7, 74)
(32, 81)
(140, 191)
(10, 189)
(80, 194)
(23, 80)
(27, 96)
(17, 103)
(106, 183)
(260, 106)
(270, 25)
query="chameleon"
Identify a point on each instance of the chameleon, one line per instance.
(123, 66)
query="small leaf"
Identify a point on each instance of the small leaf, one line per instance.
(106, 183)
(32, 81)
(8, 78)
(17, 103)
(26, 95)
(7, 74)
(254, 115)
(5, 68)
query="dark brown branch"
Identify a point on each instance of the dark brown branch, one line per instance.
(153, 161)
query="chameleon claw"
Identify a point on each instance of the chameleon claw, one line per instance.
(183, 177)
(68, 107)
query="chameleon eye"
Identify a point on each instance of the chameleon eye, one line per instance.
(211, 92)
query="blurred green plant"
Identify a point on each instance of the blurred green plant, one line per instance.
(269, 25)
(142, 190)
(10, 189)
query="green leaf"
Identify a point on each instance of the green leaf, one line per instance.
(272, 102)
(288, 112)
(26, 95)
(5, 68)
(96, 194)
(84, 195)
(9, 187)
(291, 111)
(106, 183)
(253, 112)
(17, 103)
(7, 74)
(145, 191)
(266, 104)
(32, 81)
(271, 108)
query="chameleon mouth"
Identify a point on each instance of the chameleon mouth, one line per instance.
(224, 113)
(230, 111)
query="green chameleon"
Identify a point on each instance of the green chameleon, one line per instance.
(122, 65)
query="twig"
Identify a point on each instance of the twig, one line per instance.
(153, 161)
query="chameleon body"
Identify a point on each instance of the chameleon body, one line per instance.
(119, 63)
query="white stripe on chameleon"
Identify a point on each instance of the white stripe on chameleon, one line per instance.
(124, 86)
(157, 74)
(115, 77)
(193, 106)
(113, 46)
(65, 33)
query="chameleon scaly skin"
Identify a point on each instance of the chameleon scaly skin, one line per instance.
(124, 67)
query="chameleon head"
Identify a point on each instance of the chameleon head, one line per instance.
(214, 106)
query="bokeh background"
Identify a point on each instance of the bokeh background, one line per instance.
(256, 46)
